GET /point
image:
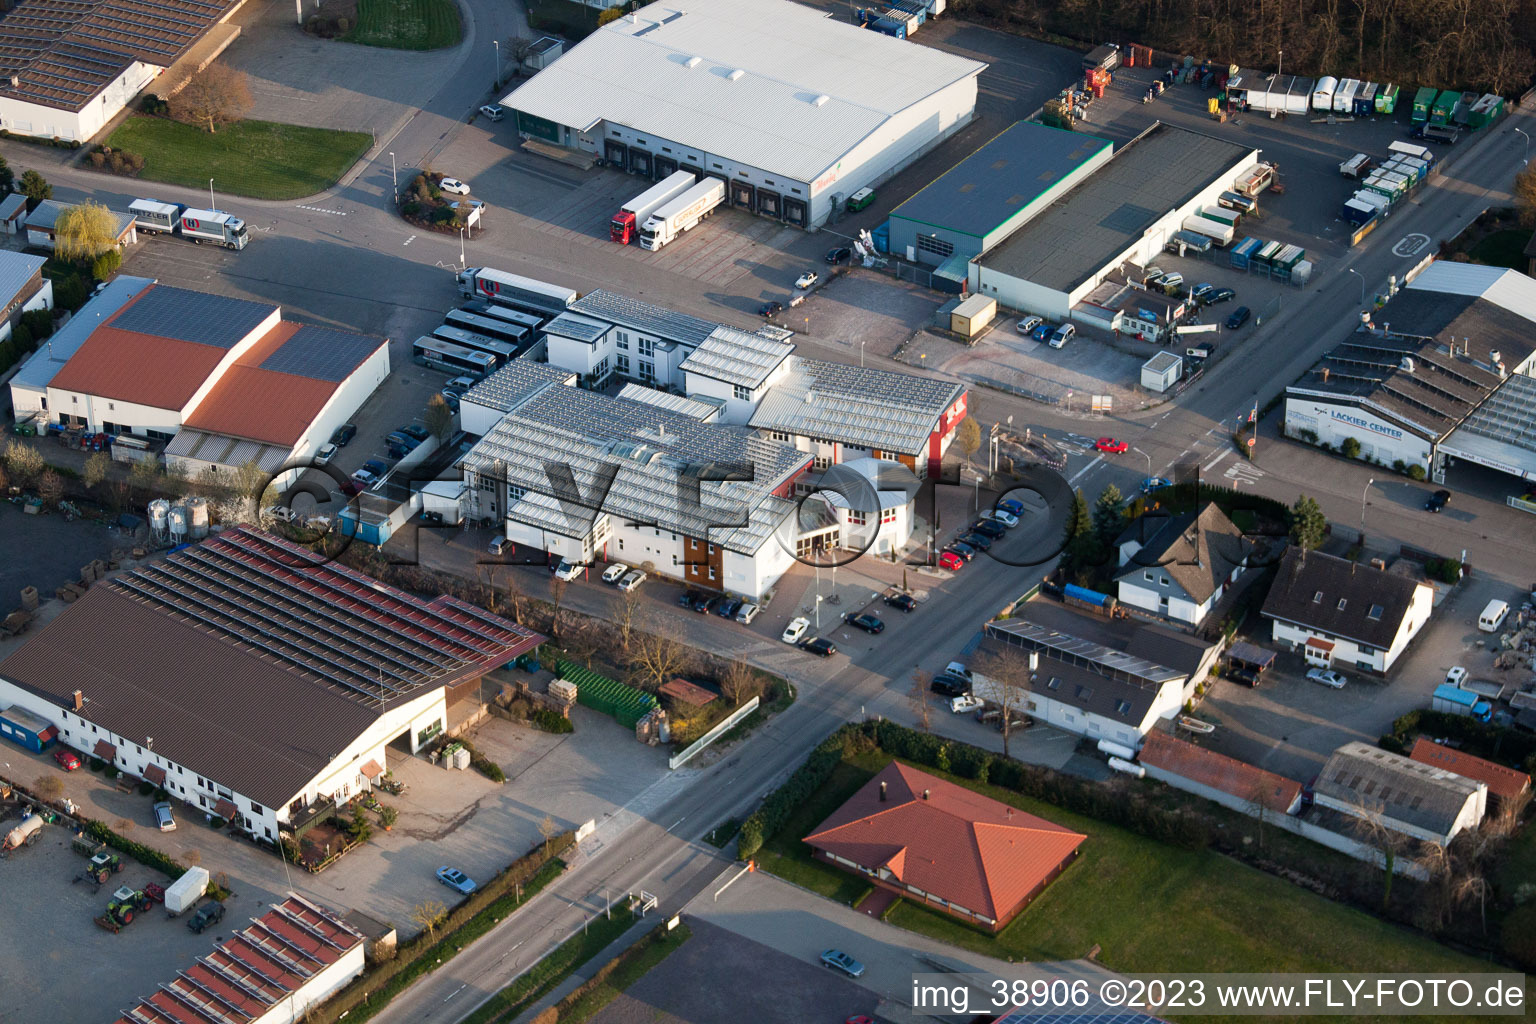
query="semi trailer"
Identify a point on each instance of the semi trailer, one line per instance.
(626, 223)
(682, 214)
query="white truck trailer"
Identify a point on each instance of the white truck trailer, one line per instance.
(682, 214)
(185, 891)
(626, 223)
(153, 215)
(214, 225)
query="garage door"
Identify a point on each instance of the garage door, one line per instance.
(794, 211)
(639, 161)
(665, 167)
(616, 153)
(743, 195)
(768, 203)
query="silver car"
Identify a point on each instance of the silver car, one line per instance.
(746, 613)
(633, 579)
(164, 820)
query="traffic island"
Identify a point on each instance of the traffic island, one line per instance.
(255, 159)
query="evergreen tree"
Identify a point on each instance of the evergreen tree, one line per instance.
(1308, 524)
(1108, 517)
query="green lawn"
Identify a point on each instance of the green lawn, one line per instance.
(259, 159)
(406, 24)
(1149, 906)
(1503, 249)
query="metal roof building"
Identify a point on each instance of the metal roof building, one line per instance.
(1124, 212)
(67, 68)
(1407, 796)
(264, 678)
(987, 196)
(789, 106)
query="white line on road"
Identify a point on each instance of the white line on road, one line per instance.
(408, 241)
(1086, 468)
(456, 991)
(1213, 463)
(676, 823)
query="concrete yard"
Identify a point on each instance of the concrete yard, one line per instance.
(45, 552)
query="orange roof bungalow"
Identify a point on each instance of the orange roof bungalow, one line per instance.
(1504, 783)
(1226, 780)
(939, 844)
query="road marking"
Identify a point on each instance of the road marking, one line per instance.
(317, 209)
(1410, 245)
(1086, 468)
(408, 241)
(1213, 463)
(456, 991)
(1243, 473)
(676, 823)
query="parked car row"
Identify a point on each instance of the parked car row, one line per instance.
(737, 608)
(981, 535)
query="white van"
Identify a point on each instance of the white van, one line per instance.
(1493, 616)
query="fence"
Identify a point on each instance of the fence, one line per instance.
(683, 756)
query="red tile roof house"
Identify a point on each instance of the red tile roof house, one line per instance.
(1503, 783)
(942, 845)
(1226, 780)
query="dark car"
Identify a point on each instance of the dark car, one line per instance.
(702, 602)
(949, 686)
(819, 646)
(728, 609)
(1437, 501)
(770, 309)
(962, 549)
(842, 254)
(432, 518)
(418, 432)
(1220, 295)
(1238, 318)
(901, 602)
(343, 434)
(868, 623)
(207, 914)
(979, 541)
(1012, 506)
(1242, 674)
(400, 439)
(989, 528)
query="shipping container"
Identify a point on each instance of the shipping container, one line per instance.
(27, 730)
(1344, 96)
(1413, 149)
(1355, 166)
(1444, 106)
(1322, 95)
(1220, 215)
(1266, 254)
(1243, 252)
(1365, 100)
(1380, 203)
(1386, 99)
(1423, 102)
(1357, 212)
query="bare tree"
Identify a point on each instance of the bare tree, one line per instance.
(626, 608)
(24, 462)
(438, 418)
(515, 596)
(968, 437)
(217, 95)
(549, 829)
(95, 469)
(739, 683)
(1008, 673)
(922, 707)
(50, 488)
(427, 915)
(49, 787)
(556, 595)
(1474, 887)
(1372, 830)
(656, 655)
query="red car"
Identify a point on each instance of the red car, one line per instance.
(67, 759)
(951, 561)
(1110, 445)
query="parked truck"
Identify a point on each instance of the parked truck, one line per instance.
(186, 891)
(682, 214)
(24, 834)
(1456, 701)
(214, 225)
(156, 217)
(626, 223)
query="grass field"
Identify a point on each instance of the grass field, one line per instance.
(406, 24)
(259, 159)
(1149, 906)
(1503, 249)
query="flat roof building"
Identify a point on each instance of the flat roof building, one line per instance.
(984, 198)
(1124, 212)
(792, 108)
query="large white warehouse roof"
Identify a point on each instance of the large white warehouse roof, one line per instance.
(765, 82)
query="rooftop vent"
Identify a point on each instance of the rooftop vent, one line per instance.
(692, 62)
(1406, 364)
(820, 101)
(735, 74)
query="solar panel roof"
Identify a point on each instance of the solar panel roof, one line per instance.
(196, 317)
(321, 353)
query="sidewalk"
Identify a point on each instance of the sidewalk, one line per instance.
(584, 973)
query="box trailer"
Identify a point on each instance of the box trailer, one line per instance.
(682, 214)
(1356, 212)
(1237, 201)
(1322, 93)
(215, 226)
(155, 216)
(1187, 239)
(1254, 180)
(1220, 215)
(1456, 701)
(1217, 231)
(1382, 204)
(1412, 149)
(186, 890)
(1355, 166)
(626, 223)
(1344, 96)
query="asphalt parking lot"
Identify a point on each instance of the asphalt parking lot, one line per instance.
(55, 964)
(45, 552)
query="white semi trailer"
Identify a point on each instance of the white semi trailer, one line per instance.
(682, 214)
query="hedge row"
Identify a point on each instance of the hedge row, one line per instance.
(473, 917)
(782, 802)
(145, 855)
(611, 979)
(1482, 739)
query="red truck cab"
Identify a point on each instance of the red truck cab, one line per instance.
(623, 227)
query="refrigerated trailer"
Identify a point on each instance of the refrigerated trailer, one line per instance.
(512, 290)
(626, 223)
(214, 226)
(683, 213)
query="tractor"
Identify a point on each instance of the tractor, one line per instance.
(102, 866)
(125, 903)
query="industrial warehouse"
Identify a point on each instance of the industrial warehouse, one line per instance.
(793, 109)
(1448, 373)
(266, 684)
(1125, 212)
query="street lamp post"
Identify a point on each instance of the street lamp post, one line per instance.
(1361, 276)
(211, 205)
(861, 355)
(1525, 158)
(394, 178)
(1365, 491)
(462, 262)
(1144, 455)
(497, 43)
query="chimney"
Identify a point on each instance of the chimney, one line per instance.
(1034, 661)
(79, 700)
(1325, 374)
(882, 792)
(925, 794)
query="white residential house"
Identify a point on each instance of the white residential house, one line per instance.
(1341, 614)
(1179, 566)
